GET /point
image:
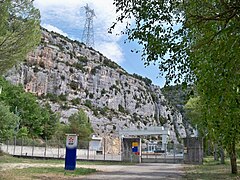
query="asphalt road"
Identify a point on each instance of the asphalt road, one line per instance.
(143, 171)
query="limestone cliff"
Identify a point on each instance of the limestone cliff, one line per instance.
(69, 76)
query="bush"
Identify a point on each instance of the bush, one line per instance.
(62, 77)
(63, 97)
(121, 109)
(79, 66)
(91, 96)
(103, 91)
(110, 64)
(76, 101)
(83, 59)
(88, 103)
(104, 110)
(71, 70)
(52, 97)
(73, 85)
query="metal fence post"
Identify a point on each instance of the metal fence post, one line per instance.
(14, 146)
(32, 147)
(21, 145)
(58, 147)
(45, 150)
(120, 148)
(7, 145)
(104, 148)
(174, 152)
(88, 150)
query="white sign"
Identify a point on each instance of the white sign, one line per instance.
(71, 141)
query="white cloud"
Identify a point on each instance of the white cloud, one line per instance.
(69, 16)
(111, 50)
(54, 29)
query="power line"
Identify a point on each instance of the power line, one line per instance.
(88, 33)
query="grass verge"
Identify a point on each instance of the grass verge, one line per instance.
(10, 159)
(211, 170)
(43, 173)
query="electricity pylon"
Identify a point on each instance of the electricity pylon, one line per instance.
(88, 33)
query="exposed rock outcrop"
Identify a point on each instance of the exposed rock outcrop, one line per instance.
(69, 76)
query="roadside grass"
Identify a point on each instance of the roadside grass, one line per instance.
(52, 171)
(10, 159)
(211, 170)
(43, 173)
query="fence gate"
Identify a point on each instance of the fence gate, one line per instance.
(193, 150)
(162, 153)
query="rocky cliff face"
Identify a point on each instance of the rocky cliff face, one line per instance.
(69, 76)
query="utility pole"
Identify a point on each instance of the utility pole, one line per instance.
(88, 33)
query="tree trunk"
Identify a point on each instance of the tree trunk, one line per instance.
(233, 158)
(222, 155)
(215, 152)
(209, 148)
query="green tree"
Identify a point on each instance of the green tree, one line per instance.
(60, 133)
(49, 122)
(19, 31)
(214, 55)
(36, 120)
(8, 122)
(79, 124)
(159, 29)
(194, 114)
(194, 41)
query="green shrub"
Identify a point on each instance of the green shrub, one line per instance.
(104, 110)
(88, 103)
(76, 101)
(71, 70)
(62, 77)
(110, 64)
(91, 96)
(121, 108)
(103, 91)
(78, 66)
(52, 97)
(83, 59)
(62, 97)
(73, 85)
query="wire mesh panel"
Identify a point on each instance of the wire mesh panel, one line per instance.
(193, 150)
(86, 150)
(173, 153)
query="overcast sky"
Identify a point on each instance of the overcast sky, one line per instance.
(67, 17)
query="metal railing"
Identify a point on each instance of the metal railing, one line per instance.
(49, 149)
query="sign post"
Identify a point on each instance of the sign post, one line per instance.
(71, 151)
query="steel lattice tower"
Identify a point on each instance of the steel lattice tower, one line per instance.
(88, 33)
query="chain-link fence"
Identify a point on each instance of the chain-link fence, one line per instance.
(103, 149)
(98, 149)
(166, 153)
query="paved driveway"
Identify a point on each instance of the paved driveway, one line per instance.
(143, 171)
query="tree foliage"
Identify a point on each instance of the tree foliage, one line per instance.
(79, 124)
(8, 122)
(194, 113)
(37, 121)
(19, 31)
(196, 41)
(158, 28)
